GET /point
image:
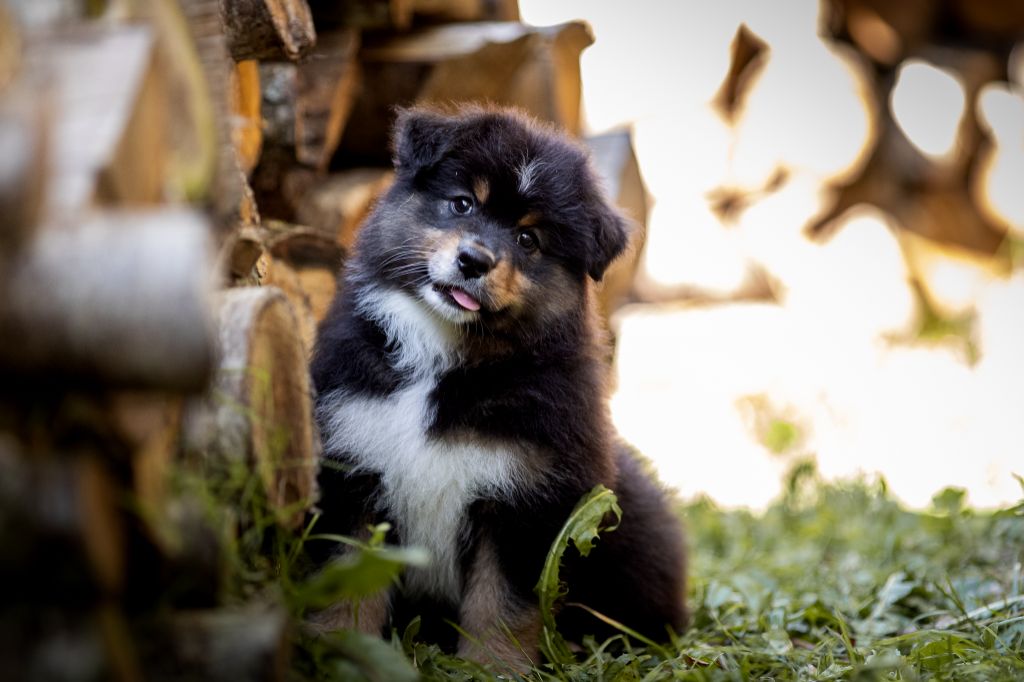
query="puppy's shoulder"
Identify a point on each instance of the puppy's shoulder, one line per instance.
(350, 353)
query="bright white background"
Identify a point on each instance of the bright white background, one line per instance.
(697, 387)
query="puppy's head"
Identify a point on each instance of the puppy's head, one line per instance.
(493, 218)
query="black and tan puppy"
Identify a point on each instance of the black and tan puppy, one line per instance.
(461, 391)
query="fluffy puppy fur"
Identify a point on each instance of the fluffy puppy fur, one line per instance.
(461, 392)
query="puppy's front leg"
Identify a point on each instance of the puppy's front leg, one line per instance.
(368, 615)
(501, 629)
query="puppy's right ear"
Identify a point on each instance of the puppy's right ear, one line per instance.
(421, 138)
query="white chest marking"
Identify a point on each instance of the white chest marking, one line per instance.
(427, 483)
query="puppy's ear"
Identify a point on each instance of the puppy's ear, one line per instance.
(611, 236)
(421, 138)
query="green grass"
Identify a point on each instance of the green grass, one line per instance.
(833, 581)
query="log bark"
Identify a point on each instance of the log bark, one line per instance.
(239, 256)
(56, 643)
(149, 424)
(337, 203)
(258, 411)
(107, 130)
(121, 297)
(10, 47)
(304, 264)
(616, 163)
(363, 14)
(306, 105)
(228, 187)
(268, 29)
(536, 69)
(228, 645)
(25, 132)
(444, 11)
(60, 524)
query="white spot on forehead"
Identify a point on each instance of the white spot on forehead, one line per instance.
(527, 172)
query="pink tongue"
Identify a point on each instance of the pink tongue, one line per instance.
(465, 300)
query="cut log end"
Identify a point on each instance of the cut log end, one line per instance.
(259, 411)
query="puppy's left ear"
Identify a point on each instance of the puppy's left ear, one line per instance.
(611, 236)
(420, 139)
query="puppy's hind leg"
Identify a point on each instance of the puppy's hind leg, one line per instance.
(636, 574)
(501, 630)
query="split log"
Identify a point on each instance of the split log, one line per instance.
(43, 15)
(60, 525)
(246, 116)
(258, 411)
(24, 138)
(363, 14)
(10, 47)
(444, 11)
(617, 166)
(536, 69)
(338, 203)
(56, 643)
(306, 105)
(268, 29)
(228, 187)
(148, 423)
(108, 129)
(132, 119)
(304, 264)
(241, 645)
(121, 297)
(239, 256)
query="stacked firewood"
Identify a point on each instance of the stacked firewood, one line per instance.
(180, 182)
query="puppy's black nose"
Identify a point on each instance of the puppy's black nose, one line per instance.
(474, 261)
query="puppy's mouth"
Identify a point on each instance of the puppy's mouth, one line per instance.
(458, 297)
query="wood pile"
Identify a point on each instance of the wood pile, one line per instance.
(180, 183)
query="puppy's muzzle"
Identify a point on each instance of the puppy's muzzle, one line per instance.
(473, 260)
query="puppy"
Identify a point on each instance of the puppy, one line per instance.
(461, 393)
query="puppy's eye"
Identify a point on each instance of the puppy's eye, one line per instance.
(527, 239)
(461, 205)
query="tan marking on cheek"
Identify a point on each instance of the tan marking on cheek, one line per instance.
(482, 190)
(433, 237)
(508, 286)
(565, 295)
(448, 246)
(440, 244)
(529, 220)
(502, 630)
